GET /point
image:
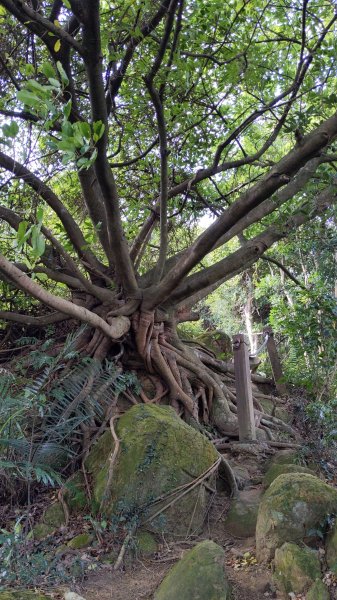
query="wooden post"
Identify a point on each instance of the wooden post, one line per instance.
(243, 384)
(275, 362)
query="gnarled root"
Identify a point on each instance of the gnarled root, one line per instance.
(196, 387)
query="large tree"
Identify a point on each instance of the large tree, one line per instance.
(126, 122)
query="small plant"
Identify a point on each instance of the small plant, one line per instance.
(25, 564)
(42, 418)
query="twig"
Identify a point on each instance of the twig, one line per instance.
(188, 489)
(123, 549)
(60, 497)
(111, 466)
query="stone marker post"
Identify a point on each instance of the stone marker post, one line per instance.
(243, 384)
(275, 362)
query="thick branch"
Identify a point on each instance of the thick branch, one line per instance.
(24, 283)
(39, 25)
(251, 251)
(55, 317)
(277, 177)
(159, 110)
(93, 62)
(256, 214)
(117, 79)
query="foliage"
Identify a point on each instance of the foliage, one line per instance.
(25, 565)
(233, 86)
(40, 423)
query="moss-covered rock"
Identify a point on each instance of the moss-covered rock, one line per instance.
(283, 457)
(272, 408)
(97, 465)
(23, 595)
(281, 469)
(292, 509)
(146, 543)
(75, 494)
(242, 515)
(318, 591)
(199, 575)
(331, 549)
(296, 569)
(158, 453)
(54, 515)
(41, 531)
(218, 341)
(80, 541)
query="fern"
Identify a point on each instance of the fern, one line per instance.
(40, 426)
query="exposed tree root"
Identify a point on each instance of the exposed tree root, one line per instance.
(197, 382)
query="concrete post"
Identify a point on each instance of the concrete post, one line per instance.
(275, 363)
(243, 384)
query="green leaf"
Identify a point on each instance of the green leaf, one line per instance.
(21, 232)
(84, 128)
(67, 145)
(54, 82)
(10, 130)
(57, 46)
(67, 109)
(67, 129)
(63, 74)
(39, 214)
(99, 129)
(66, 3)
(28, 70)
(27, 98)
(48, 70)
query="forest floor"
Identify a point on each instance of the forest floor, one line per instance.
(250, 581)
(139, 577)
(139, 580)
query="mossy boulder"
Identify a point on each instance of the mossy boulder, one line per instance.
(199, 575)
(146, 543)
(54, 515)
(23, 595)
(158, 453)
(242, 515)
(283, 457)
(331, 549)
(294, 507)
(218, 341)
(80, 541)
(75, 494)
(296, 569)
(281, 469)
(41, 531)
(318, 591)
(272, 408)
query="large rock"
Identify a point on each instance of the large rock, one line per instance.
(293, 508)
(199, 575)
(281, 469)
(242, 515)
(296, 569)
(158, 454)
(331, 549)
